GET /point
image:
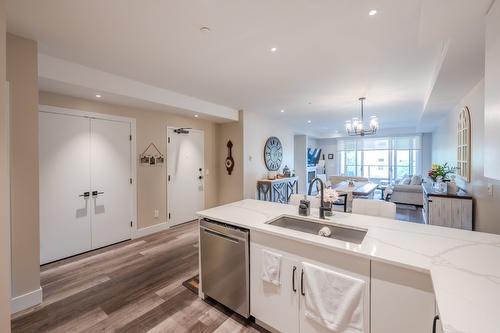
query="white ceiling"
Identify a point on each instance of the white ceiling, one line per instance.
(329, 52)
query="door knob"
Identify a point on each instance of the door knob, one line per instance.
(85, 194)
(96, 193)
(200, 177)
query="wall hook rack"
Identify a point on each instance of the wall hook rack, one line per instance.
(157, 158)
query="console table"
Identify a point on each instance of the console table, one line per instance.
(447, 210)
(277, 190)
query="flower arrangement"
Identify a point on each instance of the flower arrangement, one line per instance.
(330, 195)
(443, 171)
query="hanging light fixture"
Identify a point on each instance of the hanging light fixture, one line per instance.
(356, 127)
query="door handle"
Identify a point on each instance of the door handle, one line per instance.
(293, 279)
(96, 193)
(302, 283)
(85, 194)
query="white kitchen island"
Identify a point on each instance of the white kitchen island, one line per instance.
(462, 267)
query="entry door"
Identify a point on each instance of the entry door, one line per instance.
(64, 175)
(110, 170)
(185, 175)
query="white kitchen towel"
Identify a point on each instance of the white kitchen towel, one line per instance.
(333, 300)
(271, 266)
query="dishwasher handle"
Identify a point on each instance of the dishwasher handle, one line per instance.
(217, 234)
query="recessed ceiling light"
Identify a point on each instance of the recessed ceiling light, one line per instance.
(196, 116)
(308, 121)
(98, 95)
(372, 12)
(205, 29)
(274, 49)
(282, 111)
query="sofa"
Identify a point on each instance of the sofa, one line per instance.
(408, 190)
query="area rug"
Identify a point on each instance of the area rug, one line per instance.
(192, 284)
(408, 207)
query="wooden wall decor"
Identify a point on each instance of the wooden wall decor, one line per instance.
(229, 158)
(156, 158)
(463, 146)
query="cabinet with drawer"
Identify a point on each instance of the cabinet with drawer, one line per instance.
(448, 210)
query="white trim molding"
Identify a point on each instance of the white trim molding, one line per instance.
(26, 301)
(150, 230)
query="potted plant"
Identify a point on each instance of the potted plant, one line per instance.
(440, 174)
(441, 170)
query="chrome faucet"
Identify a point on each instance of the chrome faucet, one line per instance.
(322, 207)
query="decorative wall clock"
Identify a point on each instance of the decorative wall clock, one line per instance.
(229, 158)
(273, 153)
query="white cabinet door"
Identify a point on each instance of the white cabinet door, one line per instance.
(64, 177)
(439, 213)
(401, 300)
(467, 214)
(283, 308)
(456, 213)
(110, 178)
(276, 306)
(360, 269)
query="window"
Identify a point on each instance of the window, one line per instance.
(382, 160)
(463, 148)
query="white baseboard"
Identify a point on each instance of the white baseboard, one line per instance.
(23, 302)
(150, 230)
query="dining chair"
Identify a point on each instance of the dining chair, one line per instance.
(374, 208)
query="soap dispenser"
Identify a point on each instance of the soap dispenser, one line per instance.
(304, 206)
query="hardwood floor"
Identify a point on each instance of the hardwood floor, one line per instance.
(134, 286)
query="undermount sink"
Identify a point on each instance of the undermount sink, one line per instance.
(346, 234)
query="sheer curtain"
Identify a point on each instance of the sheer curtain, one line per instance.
(381, 159)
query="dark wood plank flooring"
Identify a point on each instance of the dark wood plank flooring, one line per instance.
(134, 286)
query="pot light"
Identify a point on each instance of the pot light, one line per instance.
(308, 121)
(98, 95)
(196, 116)
(372, 12)
(274, 49)
(282, 111)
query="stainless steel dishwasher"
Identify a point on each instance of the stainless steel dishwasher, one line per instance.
(224, 255)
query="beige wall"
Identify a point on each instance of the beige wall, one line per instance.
(256, 130)
(4, 185)
(22, 73)
(230, 187)
(151, 127)
(444, 144)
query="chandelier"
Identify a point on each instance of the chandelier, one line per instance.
(356, 127)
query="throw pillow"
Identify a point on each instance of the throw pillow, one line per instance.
(416, 180)
(406, 181)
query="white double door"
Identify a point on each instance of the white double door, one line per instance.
(185, 175)
(85, 191)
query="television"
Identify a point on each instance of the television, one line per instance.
(313, 155)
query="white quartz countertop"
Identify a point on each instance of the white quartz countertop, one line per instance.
(464, 265)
